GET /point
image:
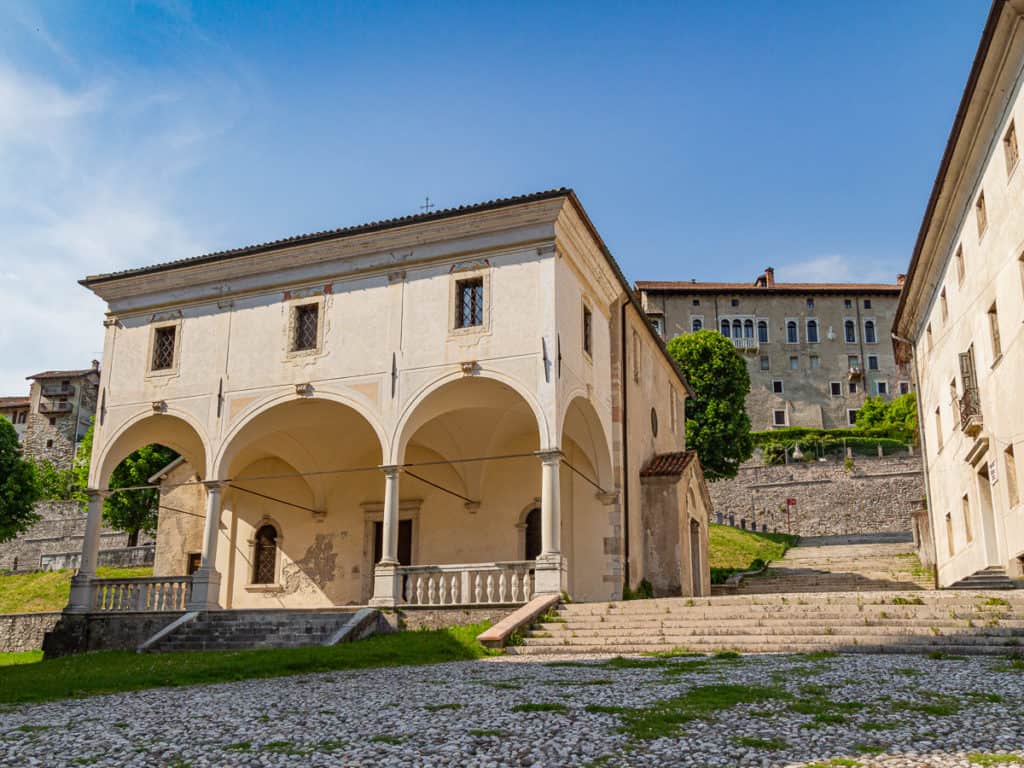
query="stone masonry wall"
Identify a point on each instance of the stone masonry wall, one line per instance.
(879, 495)
(57, 442)
(24, 631)
(59, 532)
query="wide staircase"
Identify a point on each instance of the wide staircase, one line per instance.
(245, 630)
(841, 564)
(914, 621)
(993, 577)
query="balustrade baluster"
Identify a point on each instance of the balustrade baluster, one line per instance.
(419, 590)
(432, 594)
(478, 592)
(503, 596)
(490, 588)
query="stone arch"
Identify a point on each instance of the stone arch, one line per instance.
(172, 428)
(581, 423)
(440, 396)
(529, 516)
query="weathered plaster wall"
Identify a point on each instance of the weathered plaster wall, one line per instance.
(876, 496)
(179, 530)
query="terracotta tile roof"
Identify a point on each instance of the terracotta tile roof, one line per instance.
(330, 234)
(63, 374)
(14, 402)
(689, 286)
(668, 464)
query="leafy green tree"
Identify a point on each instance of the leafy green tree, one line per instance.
(132, 511)
(19, 487)
(54, 484)
(896, 419)
(717, 425)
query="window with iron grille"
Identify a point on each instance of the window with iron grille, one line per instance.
(469, 303)
(163, 347)
(265, 559)
(307, 319)
(588, 322)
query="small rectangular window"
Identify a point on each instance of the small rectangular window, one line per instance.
(305, 331)
(853, 387)
(867, 303)
(993, 325)
(949, 534)
(696, 302)
(836, 387)
(1010, 469)
(938, 428)
(794, 363)
(588, 322)
(965, 504)
(765, 363)
(904, 387)
(779, 418)
(928, 335)
(851, 416)
(815, 361)
(881, 388)
(469, 303)
(163, 347)
(848, 303)
(853, 362)
(810, 303)
(981, 215)
(944, 304)
(735, 302)
(777, 386)
(959, 258)
(1010, 148)
(872, 362)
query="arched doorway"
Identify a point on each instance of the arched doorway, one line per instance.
(532, 535)
(696, 568)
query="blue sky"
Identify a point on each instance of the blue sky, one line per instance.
(706, 140)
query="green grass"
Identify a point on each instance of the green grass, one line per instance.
(544, 706)
(483, 732)
(25, 657)
(732, 550)
(990, 758)
(750, 741)
(49, 590)
(90, 674)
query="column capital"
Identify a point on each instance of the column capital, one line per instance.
(391, 470)
(214, 485)
(97, 494)
(550, 456)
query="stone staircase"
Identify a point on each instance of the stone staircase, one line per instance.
(246, 630)
(840, 564)
(915, 621)
(993, 577)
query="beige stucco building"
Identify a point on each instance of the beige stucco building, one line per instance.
(961, 316)
(814, 351)
(450, 408)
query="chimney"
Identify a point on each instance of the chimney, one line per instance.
(769, 276)
(95, 365)
(901, 279)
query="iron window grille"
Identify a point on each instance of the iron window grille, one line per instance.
(266, 555)
(163, 348)
(469, 303)
(307, 320)
(588, 322)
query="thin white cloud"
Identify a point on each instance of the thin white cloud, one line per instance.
(834, 268)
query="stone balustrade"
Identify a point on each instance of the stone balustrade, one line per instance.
(467, 584)
(167, 593)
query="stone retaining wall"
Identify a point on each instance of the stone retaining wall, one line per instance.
(24, 631)
(438, 618)
(878, 495)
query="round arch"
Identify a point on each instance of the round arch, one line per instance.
(173, 428)
(233, 444)
(581, 424)
(458, 390)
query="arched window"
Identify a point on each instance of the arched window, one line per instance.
(869, 331)
(792, 336)
(812, 331)
(737, 329)
(762, 331)
(748, 329)
(533, 538)
(725, 328)
(265, 556)
(851, 332)
(696, 324)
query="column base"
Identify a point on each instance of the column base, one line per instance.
(205, 593)
(387, 586)
(82, 595)
(550, 575)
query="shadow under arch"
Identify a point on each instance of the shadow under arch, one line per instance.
(582, 425)
(486, 390)
(173, 429)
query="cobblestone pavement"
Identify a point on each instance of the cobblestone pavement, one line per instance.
(791, 710)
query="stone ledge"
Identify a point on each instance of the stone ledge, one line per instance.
(498, 635)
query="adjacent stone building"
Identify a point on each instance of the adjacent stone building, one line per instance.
(814, 351)
(961, 318)
(15, 410)
(61, 407)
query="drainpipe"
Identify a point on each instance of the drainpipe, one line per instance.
(623, 373)
(924, 452)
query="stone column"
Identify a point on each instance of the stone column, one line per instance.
(206, 581)
(387, 585)
(81, 598)
(550, 571)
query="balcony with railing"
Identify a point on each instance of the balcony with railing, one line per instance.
(61, 406)
(58, 390)
(746, 343)
(970, 412)
(856, 372)
(166, 593)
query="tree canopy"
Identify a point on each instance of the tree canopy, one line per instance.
(717, 425)
(895, 418)
(19, 486)
(128, 511)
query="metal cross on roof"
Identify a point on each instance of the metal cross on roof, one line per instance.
(427, 205)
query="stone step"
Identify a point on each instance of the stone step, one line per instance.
(818, 646)
(770, 641)
(239, 630)
(1016, 622)
(550, 638)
